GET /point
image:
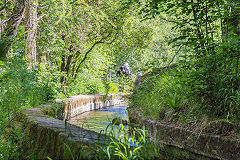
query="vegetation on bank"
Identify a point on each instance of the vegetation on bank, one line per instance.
(63, 48)
(70, 47)
(206, 80)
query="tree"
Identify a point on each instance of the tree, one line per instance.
(209, 32)
(30, 21)
(76, 29)
(23, 10)
(10, 26)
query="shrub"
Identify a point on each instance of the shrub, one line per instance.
(135, 145)
(159, 93)
(21, 88)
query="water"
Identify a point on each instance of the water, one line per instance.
(100, 120)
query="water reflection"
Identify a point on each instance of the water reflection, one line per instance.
(101, 119)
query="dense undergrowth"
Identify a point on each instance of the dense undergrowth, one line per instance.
(170, 95)
(161, 95)
(21, 88)
(206, 83)
(133, 145)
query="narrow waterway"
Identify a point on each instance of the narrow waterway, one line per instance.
(101, 120)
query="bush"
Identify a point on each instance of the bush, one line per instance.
(110, 87)
(160, 93)
(86, 84)
(134, 145)
(22, 88)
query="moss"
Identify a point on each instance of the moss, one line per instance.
(197, 142)
(55, 109)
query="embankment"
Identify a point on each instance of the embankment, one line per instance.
(213, 146)
(45, 136)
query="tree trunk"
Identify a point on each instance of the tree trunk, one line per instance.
(11, 26)
(31, 28)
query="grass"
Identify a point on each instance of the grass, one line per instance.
(160, 93)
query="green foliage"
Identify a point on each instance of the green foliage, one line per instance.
(18, 85)
(87, 36)
(111, 87)
(173, 100)
(154, 53)
(208, 33)
(160, 92)
(11, 142)
(135, 145)
(79, 40)
(17, 44)
(21, 88)
(54, 109)
(87, 85)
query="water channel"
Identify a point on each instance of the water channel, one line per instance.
(101, 121)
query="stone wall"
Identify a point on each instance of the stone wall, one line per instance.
(49, 137)
(45, 136)
(213, 146)
(76, 105)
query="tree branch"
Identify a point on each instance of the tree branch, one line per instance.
(41, 17)
(91, 48)
(85, 57)
(174, 56)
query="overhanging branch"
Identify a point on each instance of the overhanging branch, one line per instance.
(90, 49)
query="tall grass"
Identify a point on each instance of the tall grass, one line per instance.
(160, 93)
(21, 88)
(129, 144)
